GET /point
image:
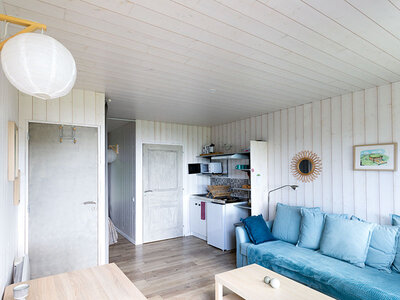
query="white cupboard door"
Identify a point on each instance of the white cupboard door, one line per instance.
(259, 178)
(215, 225)
(193, 216)
(162, 192)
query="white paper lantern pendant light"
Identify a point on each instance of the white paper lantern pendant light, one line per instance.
(38, 65)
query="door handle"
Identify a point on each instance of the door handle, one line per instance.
(89, 202)
(148, 191)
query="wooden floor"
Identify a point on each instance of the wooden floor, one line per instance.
(181, 268)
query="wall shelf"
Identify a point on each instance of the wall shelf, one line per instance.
(237, 155)
(241, 189)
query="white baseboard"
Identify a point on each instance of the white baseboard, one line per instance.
(125, 235)
(199, 236)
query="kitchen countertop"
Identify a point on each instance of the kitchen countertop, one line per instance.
(203, 197)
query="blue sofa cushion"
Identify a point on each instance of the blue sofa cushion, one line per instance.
(333, 277)
(287, 223)
(383, 246)
(395, 220)
(312, 226)
(257, 229)
(396, 263)
(346, 240)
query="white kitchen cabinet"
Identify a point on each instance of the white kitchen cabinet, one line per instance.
(220, 224)
(198, 226)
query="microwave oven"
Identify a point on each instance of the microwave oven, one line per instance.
(201, 168)
(198, 168)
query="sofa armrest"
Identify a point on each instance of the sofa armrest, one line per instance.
(241, 237)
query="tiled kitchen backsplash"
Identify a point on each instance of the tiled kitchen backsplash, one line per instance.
(233, 182)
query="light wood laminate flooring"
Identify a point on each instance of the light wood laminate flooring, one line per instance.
(181, 268)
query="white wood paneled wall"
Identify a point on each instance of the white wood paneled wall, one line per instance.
(122, 180)
(80, 107)
(192, 138)
(330, 128)
(8, 212)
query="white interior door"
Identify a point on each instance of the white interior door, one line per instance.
(162, 196)
(62, 200)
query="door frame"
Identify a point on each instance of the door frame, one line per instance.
(101, 205)
(142, 182)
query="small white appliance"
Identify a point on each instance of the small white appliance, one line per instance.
(220, 224)
(215, 168)
(200, 168)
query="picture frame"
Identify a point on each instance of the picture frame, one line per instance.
(375, 157)
(12, 151)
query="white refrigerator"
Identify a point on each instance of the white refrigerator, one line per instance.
(220, 224)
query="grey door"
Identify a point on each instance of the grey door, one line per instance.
(162, 196)
(62, 200)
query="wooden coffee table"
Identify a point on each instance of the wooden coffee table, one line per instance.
(101, 282)
(248, 283)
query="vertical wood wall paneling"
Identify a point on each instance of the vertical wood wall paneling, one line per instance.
(39, 109)
(317, 148)
(396, 138)
(53, 110)
(299, 123)
(277, 195)
(330, 128)
(308, 144)
(291, 152)
(122, 189)
(90, 107)
(359, 177)
(371, 137)
(284, 153)
(326, 155)
(78, 107)
(347, 152)
(192, 138)
(271, 162)
(66, 109)
(385, 135)
(9, 220)
(337, 171)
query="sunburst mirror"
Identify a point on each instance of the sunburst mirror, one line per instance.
(306, 166)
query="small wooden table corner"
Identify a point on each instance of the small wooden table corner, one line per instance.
(101, 282)
(248, 283)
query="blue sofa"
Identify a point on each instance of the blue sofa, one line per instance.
(330, 276)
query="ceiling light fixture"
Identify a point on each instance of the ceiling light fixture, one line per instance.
(37, 64)
(212, 91)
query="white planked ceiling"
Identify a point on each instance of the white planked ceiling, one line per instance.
(208, 62)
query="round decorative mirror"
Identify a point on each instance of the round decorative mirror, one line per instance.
(306, 166)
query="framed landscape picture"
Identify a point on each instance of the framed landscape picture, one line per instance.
(379, 157)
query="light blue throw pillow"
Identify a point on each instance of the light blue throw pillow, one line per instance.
(347, 240)
(396, 263)
(287, 223)
(383, 246)
(312, 226)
